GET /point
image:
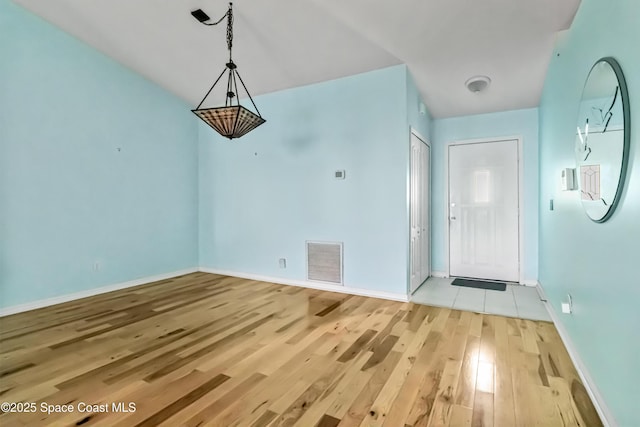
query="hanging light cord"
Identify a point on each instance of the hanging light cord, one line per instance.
(231, 67)
(217, 22)
(228, 15)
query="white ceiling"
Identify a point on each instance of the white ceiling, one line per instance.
(280, 44)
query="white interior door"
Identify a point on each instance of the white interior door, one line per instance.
(425, 216)
(419, 212)
(483, 210)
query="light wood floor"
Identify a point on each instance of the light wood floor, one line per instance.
(203, 349)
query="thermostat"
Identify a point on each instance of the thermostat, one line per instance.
(339, 174)
(568, 179)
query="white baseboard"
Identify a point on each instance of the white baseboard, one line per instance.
(91, 292)
(603, 410)
(529, 282)
(33, 305)
(440, 274)
(310, 284)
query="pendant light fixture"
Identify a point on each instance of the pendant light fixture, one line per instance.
(231, 120)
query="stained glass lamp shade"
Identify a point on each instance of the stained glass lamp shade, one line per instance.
(231, 120)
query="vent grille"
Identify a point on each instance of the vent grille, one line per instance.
(324, 262)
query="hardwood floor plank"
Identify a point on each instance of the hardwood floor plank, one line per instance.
(328, 421)
(205, 349)
(549, 414)
(183, 402)
(580, 399)
(363, 403)
(308, 398)
(346, 397)
(483, 410)
(390, 407)
(344, 382)
(236, 335)
(279, 389)
(332, 307)
(461, 416)
(428, 388)
(458, 341)
(465, 391)
(357, 346)
(567, 411)
(504, 414)
(380, 352)
(526, 405)
(529, 335)
(226, 400)
(150, 399)
(443, 405)
(410, 387)
(265, 419)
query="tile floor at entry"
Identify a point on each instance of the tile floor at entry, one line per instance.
(517, 301)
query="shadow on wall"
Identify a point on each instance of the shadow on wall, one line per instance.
(297, 138)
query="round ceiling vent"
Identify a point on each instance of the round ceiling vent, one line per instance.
(478, 83)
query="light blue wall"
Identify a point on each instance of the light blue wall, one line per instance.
(96, 164)
(522, 123)
(596, 263)
(263, 197)
(422, 123)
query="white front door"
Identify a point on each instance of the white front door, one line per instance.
(419, 213)
(483, 210)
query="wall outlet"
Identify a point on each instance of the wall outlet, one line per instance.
(97, 266)
(567, 305)
(283, 263)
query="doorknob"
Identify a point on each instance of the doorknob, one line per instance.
(453, 218)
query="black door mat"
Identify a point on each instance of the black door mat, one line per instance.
(480, 284)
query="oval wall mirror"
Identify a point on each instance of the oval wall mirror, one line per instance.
(602, 139)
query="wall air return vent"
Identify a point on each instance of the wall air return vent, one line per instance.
(324, 262)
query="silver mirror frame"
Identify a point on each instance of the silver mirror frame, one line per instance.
(626, 114)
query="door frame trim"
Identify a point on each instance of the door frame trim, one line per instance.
(517, 138)
(425, 141)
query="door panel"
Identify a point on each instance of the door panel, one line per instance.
(483, 210)
(414, 214)
(425, 249)
(419, 213)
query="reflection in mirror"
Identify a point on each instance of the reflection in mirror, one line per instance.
(602, 139)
